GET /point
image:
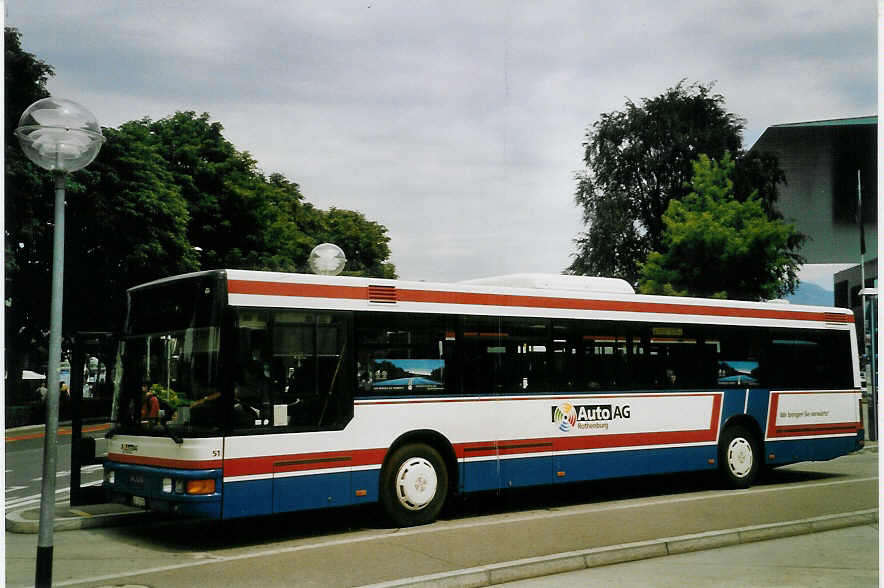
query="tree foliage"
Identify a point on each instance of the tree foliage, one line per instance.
(162, 197)
(28, 214)
(716, 246)
(639, 159)
(126, 224)
(365, 242)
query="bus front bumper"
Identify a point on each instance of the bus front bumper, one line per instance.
(182, 492)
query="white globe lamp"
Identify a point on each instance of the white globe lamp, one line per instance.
(327, 259)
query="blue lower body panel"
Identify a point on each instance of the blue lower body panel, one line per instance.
(313, 491)
(579, 467)
(144, 486)
(292, 493)
(795, 450)
(621, 464)
(248, 499)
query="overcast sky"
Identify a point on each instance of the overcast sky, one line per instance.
(457, 125)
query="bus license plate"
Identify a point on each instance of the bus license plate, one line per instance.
(139, 501)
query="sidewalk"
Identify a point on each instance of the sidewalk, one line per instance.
(615, 549)
(64, 428)
(68, 518)
(843, 557)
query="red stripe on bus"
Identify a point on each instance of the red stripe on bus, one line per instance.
(177, 464)
(583, 442)
(817, 429)
(290, 289)
(508, 300)
(716, 413)
(250, 466)
(772, 414)
(634, 440)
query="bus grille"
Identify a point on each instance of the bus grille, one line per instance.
(383, 294)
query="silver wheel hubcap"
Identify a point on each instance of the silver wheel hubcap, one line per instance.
(739, 457)
(416, 483)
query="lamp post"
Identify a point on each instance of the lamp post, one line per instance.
(60, 136)
(870, 336)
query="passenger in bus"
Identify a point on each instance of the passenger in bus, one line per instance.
(253, 395)
(207, 410)
(150, 406)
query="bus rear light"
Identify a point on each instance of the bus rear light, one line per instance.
(201, 486)
(362, 493)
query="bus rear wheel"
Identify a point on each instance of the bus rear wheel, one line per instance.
(739, 457)
(414, 485)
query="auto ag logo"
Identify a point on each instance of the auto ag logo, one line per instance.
(565, 415)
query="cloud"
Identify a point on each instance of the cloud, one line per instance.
(456, 125)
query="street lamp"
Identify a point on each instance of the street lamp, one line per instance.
(327, 259)
(62, 137)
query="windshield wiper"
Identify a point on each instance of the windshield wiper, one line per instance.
(171, 435)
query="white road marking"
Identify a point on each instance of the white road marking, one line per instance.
(505, 519)
(65, 473)
(35, 498)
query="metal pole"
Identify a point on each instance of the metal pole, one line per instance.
(50, 440)
(76, 391)
(862, 248)
(873, 354)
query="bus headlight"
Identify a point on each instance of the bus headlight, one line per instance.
(167, 485)
(109, 477)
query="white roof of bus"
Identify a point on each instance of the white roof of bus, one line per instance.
(552, 285)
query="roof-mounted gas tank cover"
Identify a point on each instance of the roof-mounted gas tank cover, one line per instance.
(556, 282)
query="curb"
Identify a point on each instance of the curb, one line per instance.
(61, 425)
(534, 567)
(17, 523)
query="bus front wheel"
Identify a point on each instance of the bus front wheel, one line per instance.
(739, 457)
(414, 484)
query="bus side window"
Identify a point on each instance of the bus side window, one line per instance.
(303, 372)
(402, 355)
(252, 386)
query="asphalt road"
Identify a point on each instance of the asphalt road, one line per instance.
(351, 547)
(24, 464)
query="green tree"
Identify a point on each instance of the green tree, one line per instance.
(28, 207)
(127, 225)
(717, 246)
(241, 219)
(365, 243)
(288, 225)
(639, 159)
(218, 184)
(163, 197)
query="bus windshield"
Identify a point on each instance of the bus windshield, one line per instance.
(170, 359)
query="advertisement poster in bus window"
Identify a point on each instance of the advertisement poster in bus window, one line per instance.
(408, 376)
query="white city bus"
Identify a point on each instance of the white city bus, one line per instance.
(280, 392)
